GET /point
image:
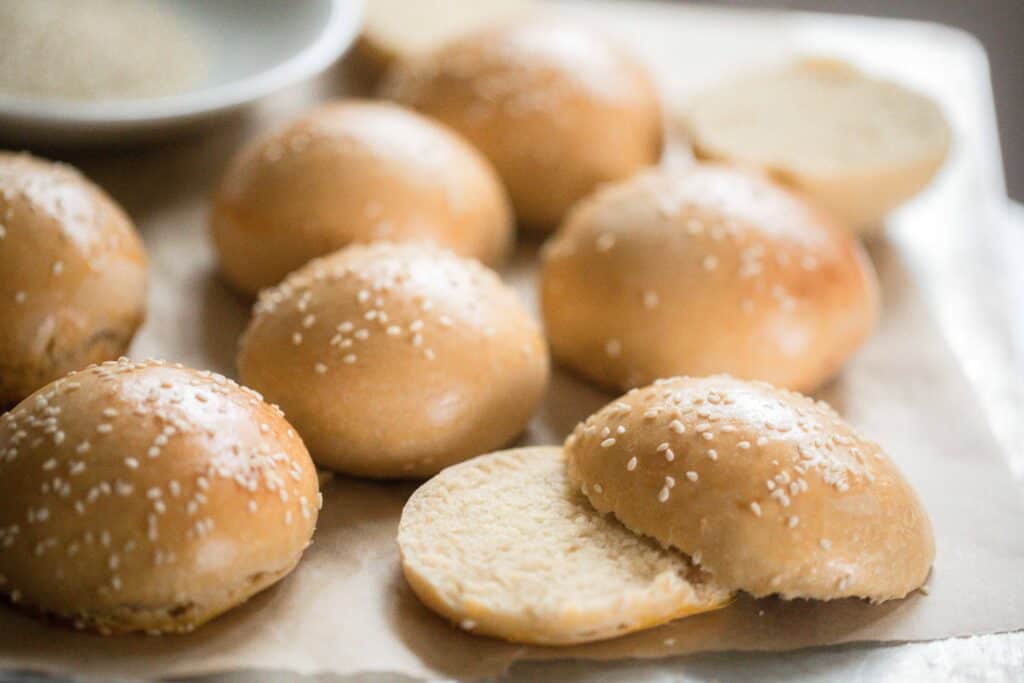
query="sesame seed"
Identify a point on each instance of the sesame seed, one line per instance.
(710, 262)
(104, 428)
(467, 624)
(677, 426)
(670, 455)
(631, 465)
(608, 443)
(320, 368)
(713, 454)
(349, 359)
(743, 445)
(755, 508)
(663, 494)
(605, 242)
(825, 544)
(692, 476)
(297, 338)
(598, 488)
(19, 297)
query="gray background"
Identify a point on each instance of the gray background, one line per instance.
(998, 24)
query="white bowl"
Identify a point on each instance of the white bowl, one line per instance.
(253, 48)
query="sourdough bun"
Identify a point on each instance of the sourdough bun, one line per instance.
(397, 31)
(72, 275)
(354, 171)
(857, 146)
(557, 109)
(767, 490)
(396, 360)
(702, 271)
(504, 545)
(148, 497)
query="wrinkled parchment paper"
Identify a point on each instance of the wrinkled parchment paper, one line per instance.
(347, 609)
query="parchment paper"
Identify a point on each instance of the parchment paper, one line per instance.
(347, 609)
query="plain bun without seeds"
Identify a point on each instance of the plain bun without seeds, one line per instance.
(354, 171)
(700, 271)
(142, 496)
(767, 490)
(396, 360)
(72, 275)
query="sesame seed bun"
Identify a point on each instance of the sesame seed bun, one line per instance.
(859, 147)
(701, 271)
(148, 497)
(398, 30)
(556, 108)
(396, 360)
(504, 545)
(767, 490)
(73, 285)
(348, 172)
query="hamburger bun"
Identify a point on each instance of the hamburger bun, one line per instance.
(396, 360)
(556, 108)
(396, 31)
(765, 489)
(503, 545)
(148, 497)
(73, 284)
(702, 271)
(351, 172)
(857, 146)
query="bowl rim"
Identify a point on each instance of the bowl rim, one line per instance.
(335, 37)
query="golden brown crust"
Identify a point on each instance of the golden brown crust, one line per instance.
(767, 490)
(397, 31)
(149, 497)
(700, 271)
(557, 109)
(73, 290)
(351, 172)
(396, 360)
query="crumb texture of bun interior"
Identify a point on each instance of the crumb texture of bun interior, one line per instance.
(72, 275)
(557, 108)
(767, 490)
(396, 360)
(702, 271)
(503, 545)
(143, 496)
(858, 146)
(354, 171)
